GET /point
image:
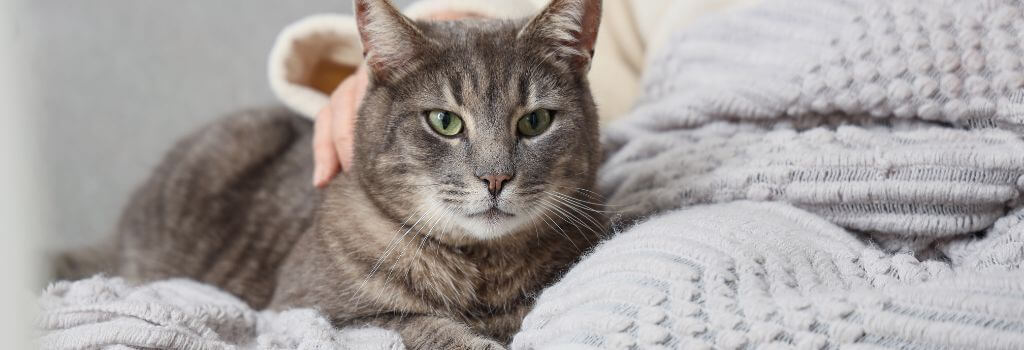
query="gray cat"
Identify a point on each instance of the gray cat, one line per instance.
(476, 152)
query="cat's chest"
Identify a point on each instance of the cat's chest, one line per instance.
(474, 281)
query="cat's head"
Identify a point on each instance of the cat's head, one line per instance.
(477, 128)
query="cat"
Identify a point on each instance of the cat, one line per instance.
(476, 152)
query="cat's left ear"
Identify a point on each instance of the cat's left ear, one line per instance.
(569, 28)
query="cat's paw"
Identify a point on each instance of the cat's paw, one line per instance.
(484, 344)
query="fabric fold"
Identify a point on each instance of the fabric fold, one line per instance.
(747, 274)
(102, 312)
(895, 118)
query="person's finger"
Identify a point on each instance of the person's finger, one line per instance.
(325, 160)
(342, 129)
(344, 122)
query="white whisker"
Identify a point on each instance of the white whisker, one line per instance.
(573, 219)
(554, 227)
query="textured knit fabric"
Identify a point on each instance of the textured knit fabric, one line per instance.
(102, 313)
(749, 275)
(929, 182)
(881, 141)
(746, 107)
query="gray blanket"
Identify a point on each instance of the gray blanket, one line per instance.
(808, 174)
(897, 117)
(108, 313)
(814, 174)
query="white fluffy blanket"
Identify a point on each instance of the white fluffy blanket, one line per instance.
(102, 313)
(806, 174)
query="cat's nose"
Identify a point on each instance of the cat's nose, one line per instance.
(495, 181)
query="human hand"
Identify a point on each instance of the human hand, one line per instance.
(333, 132)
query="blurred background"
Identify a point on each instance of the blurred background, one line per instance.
(120, 80)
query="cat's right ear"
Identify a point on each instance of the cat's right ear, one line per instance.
(569, 29)
(390, 40)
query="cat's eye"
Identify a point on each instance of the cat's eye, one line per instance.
(444, 122)
(535, 122)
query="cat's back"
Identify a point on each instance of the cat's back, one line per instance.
(225, 206)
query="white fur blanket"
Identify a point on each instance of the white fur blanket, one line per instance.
(806, 174)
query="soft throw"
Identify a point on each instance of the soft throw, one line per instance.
(108, 313)
(814, 174)
(749, 275)
(809, 174)
(899, 117)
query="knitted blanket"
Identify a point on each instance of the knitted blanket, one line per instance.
(809, 174)
(108, 313)
(748, 275)
(925, 94)
(849, 174)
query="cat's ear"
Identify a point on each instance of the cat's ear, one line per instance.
(391, 41)
(569, 28)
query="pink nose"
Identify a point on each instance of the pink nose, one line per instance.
(494, 182)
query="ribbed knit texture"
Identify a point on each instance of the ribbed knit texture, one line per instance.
(102, 313)
(749, 275)
(746, 107)
(882, 143)
(929, 182)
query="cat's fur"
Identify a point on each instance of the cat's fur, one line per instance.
(395, 243)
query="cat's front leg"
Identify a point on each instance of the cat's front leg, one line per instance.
(433, 332)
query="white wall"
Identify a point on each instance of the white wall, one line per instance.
(21, 220)
(122, 79)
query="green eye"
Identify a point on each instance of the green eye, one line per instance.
(444, 122)
(535, 123)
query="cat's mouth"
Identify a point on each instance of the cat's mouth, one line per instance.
(492, 213)
(492, 222)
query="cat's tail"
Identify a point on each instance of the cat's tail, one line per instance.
(83, 262)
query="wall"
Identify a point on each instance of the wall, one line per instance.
(120, 80)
